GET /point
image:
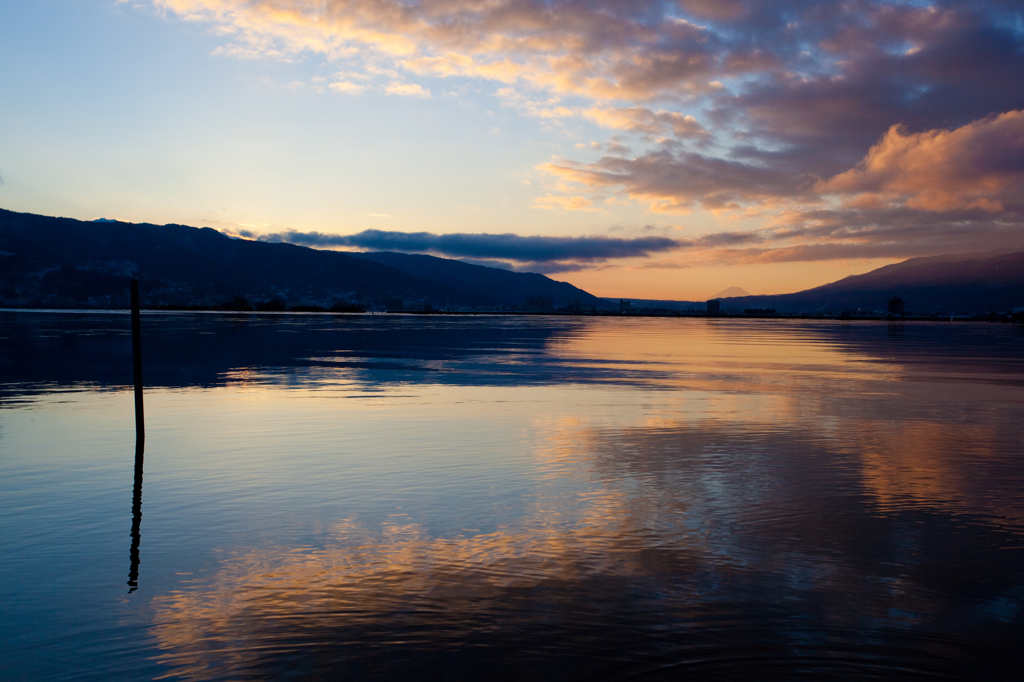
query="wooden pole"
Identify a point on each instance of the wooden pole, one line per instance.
(140, 422)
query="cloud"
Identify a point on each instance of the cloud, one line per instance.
(644, 120)
(894, 232)
(673, 182)
(603, 49)
(923, 67)
(612, 50)
(547, 108)
(552, 202)
(347, 87)
(539, 267)
(505, 247)
(979, 165)
(407, 90)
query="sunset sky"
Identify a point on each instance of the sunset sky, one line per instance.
(640, 149)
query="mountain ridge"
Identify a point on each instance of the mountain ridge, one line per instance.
(947, 284)
(67, 263)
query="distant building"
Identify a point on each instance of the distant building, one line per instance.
(624, 306)
(714, 307)
(896, 306)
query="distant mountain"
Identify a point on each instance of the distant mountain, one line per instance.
(952, 284)
(61, 262)
(731, 291)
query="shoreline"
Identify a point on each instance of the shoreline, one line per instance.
(841, 316)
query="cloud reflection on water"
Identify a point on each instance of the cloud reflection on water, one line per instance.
(674, 535)
(709, 496)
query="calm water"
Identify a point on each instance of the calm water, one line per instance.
(397, 497)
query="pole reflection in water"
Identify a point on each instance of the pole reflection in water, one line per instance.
(133, 573)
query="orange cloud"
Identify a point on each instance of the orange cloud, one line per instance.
(644, 120)
(407, 90)
(347, 87)
(552, 202)
(977, 166)
(572, 49)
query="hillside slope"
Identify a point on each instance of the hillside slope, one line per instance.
(61, 262)
(952, 284)
(478, 283)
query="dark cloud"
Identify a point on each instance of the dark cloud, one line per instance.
(555, 267)
(825, 82)
(561, 252)
(885, 232)
(672, 180)
(540, 267)
(730, 239)
(951, 77)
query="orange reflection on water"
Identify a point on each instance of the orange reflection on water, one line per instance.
(938, 465)
(719, 356)
(361, 582)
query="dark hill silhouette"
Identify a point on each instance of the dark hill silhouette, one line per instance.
(478, 283)
(952, 284)
(61, 262)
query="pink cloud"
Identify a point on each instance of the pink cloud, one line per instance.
(553, 202)
(979, 165)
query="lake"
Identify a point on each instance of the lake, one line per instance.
(380, 497)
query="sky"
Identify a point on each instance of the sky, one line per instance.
(660, 150)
